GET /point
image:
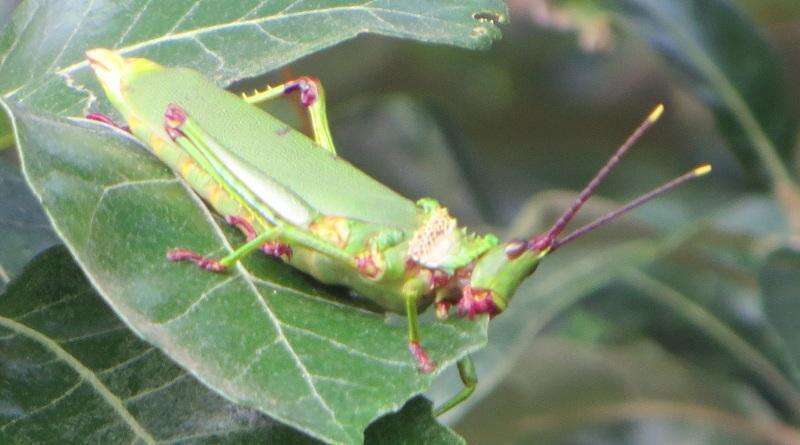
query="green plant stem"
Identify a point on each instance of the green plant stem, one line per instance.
(784, 186)
(722, 334)
(6, 141)
(763, 430)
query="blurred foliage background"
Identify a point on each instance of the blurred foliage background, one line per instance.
(676, 325)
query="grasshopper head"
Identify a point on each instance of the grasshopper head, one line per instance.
(495, 277)
(114, 72)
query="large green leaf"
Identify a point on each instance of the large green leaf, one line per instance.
(263, 335)
(67, 360)
(41, 52)
(24, 229)
(72, 372)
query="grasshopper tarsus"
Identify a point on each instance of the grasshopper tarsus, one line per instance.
(181, 254)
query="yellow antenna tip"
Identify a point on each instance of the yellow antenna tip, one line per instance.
(656, 114)
(702, 170)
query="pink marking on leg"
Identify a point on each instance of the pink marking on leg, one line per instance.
(175, 115)
(542, 242)
(174, 118)
(243, 225)
(426, 365)
(202, 262)
(443, 309)
(277, 250)
(439, 278)
(307, 87)
(99, 117)
(367, 267)
(475, 302)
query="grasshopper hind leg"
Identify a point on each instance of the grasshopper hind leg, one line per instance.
(312, 97)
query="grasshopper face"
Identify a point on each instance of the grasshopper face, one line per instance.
(495, 277)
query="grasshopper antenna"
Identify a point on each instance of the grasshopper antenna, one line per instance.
(545, 241)
(614, 214)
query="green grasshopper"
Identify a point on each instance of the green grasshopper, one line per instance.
(296, 200)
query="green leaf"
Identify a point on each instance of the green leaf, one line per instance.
(74, 373)
(24, 226)
(415, 424)
(732, 68)
(263, 335)
(67, 360)
(41, 52)
(779, 279)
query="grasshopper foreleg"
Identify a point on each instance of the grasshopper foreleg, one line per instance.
(312, 97)
(181, 254)
(271, 248)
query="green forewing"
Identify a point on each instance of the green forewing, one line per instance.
(328, 183)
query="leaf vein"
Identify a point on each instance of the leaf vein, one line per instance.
(49, 305)
(200, 299)
(127, 362)
(347, 348)
(60, 54)
(92, 334)
(49, 404)
(134, 22)
(85, 373)
(172, 36)
(156, 389)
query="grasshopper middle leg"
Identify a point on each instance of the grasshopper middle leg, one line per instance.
(466, 371)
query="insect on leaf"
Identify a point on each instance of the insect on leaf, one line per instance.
(262, 335)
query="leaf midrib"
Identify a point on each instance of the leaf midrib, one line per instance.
(191, 34)
(84, 373)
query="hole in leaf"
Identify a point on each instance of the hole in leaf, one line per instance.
(487, 16)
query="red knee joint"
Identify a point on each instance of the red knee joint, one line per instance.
(278, 250)
(243, 225)
(426, 365)
(307, 86)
